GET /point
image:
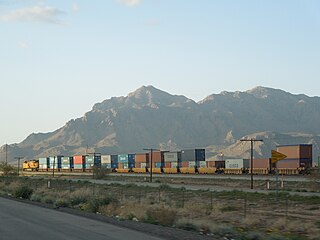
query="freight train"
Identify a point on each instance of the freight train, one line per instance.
(191, 161)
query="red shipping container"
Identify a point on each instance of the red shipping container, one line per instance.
(142, 158)
(80, 159)
(137, 165)
(210, 164)
(157, 156)
(184, 164)
(167, 165)
(216, 164)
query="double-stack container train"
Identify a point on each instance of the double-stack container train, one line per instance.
(192, 161)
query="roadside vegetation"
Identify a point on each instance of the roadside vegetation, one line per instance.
(225, 215)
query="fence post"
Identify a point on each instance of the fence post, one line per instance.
(159, 195)
(182, 198)
(49, 184)
(245, 206)
(211, 200)
(121, 194)
(70, 186)
(286, 208)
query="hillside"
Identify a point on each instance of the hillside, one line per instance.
(149, 117)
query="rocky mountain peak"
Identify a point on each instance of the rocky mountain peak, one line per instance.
(265, 92)
(145, 96)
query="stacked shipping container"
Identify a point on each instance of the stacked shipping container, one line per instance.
(106, 161)
(126, 161)
(172, 159)
(55, 162)
(192, 158)
(79, 162)
(298, 156)
(43, 163)
(142, 160)
(67, 163)
(92, 160)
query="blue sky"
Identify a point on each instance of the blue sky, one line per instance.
(58, 58)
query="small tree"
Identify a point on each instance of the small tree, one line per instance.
(7, 169)
(100, 172)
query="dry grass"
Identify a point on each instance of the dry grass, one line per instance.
(222, 214)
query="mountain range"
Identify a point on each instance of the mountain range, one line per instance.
(152, 118)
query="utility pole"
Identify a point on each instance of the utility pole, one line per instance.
(6, 153)
(252, 140)
(151, 150)
(54, 162)
(18, 164)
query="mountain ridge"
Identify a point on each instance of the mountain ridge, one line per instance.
(150, 117)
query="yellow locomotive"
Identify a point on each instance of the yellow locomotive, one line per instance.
(30, 165)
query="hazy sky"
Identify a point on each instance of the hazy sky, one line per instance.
(59, 57)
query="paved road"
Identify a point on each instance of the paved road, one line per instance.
(21, 221)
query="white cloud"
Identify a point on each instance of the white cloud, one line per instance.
(34, 14)
(23, 44)
(130, 3)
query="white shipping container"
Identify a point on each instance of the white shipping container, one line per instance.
(143, 165)
(105, 159)
(170, 156)
(174, 165)
(192, 164)
(237, 163)
(43, 166)
(202, 164)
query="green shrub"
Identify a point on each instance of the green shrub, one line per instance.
(94, 204)
(161, 215)
(131, 216)
(61, 203)
(47, 199)
(36, 197)
(23, 192)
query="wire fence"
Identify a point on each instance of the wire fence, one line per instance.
(233, 204)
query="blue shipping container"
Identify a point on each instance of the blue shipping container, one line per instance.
(200, 154)
(114, 159)
(123, 158)
(131, 158)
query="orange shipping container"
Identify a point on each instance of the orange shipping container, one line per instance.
(289, 163)
(260, 163)
(80, 159)
(296, 151)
